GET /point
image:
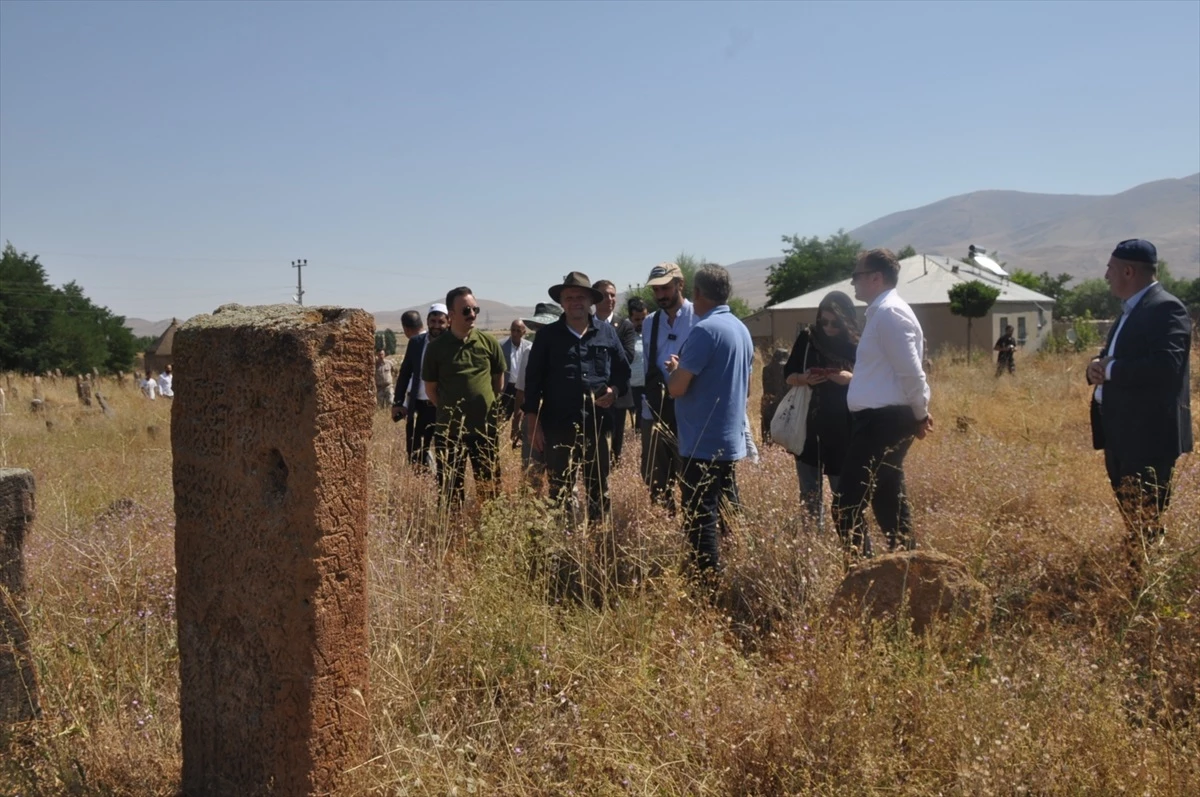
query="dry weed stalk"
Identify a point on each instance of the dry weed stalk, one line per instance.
(489, 677)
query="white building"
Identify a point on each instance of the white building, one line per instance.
(925, 283)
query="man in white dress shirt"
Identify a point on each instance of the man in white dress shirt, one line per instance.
(889, 406)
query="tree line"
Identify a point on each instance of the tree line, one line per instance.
(43, 327)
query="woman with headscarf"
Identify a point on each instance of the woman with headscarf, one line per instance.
(823, 358)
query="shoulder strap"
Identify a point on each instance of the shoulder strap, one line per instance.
(654, 340)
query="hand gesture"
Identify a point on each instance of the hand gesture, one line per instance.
(606, 400)
(925, 427)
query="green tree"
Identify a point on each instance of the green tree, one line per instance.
(389, 342)
(972, 300)
(688, 265)
(1187, 291)
(1054, 287)
(43, 327)
(1090, 296)
(906, 252)
(810, 263)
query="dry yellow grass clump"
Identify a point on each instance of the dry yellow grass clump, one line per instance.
(510, 657)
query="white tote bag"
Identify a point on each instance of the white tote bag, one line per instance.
(789, 426)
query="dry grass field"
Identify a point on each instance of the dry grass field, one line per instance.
(485, 681)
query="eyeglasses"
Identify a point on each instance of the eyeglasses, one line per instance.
(470, 311)
(855, 275)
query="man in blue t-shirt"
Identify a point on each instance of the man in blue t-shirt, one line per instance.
(710, 382)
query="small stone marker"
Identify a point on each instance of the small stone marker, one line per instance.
(18, 681)
(922, 584)
(269, 431)
(108, 413)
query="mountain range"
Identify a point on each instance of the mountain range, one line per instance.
(1058, 233)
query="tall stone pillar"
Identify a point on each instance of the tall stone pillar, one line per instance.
(18, 683)
(270, 427)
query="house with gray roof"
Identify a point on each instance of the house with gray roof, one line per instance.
(925, 283)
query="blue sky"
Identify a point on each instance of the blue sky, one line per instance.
(174, 156)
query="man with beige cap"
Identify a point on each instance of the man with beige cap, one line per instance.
(663, 336)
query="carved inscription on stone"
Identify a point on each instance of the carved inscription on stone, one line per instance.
(269, 430)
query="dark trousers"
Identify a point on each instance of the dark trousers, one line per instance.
(638, 394)
(660, 462)
(1143, 493)
(508, 401)
(618, 431)
(418, 432)
(453, 453)
(708, 490)
(568, 450)
(874, 470)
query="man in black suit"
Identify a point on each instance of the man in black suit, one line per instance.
(606, 312)
(1141, 407)
(410, 401)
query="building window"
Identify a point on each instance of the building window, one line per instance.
(1003, 324)
(1021, 330)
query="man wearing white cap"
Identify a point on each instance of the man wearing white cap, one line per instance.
(411, 401)
(663, 336)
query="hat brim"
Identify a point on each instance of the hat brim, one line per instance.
(667, 280)
(539, 321)
(557, 290)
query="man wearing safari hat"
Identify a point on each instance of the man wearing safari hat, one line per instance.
(663, 336)
(1141, 407)
(573, 375)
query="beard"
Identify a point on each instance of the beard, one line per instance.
(667, 302)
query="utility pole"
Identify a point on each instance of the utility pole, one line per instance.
(299, 266)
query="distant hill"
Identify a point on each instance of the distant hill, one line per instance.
(141, 327)
(494, 315)
(1059, 233)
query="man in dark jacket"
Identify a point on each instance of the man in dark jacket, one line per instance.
(606, 313)
(410, 401)
(1141, 407)
(573, 375)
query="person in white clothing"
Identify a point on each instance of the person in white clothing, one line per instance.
(149, 386)
(164, 382)
(888, 401)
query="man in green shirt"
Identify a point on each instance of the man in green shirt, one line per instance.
(464, 374)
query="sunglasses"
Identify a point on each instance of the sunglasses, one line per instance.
(855, 275)
(470, 311)
(831, 323)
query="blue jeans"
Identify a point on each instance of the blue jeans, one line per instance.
(811, 493)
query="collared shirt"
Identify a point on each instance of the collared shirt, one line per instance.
(637, 368)
(889, 370)
(671, 337)
(512, 354)
(712, 413)
(463, 369)
(422, 394)
(1127, 307)
(564, 370)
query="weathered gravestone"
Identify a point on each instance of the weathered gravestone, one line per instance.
(18, 684)
(269, 431)
(922, 585)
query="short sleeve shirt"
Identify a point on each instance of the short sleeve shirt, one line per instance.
(712, 413)
(463, 370)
